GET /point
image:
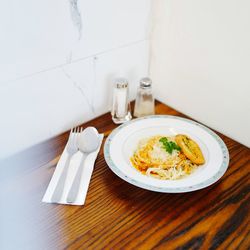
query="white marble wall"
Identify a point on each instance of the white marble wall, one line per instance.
(58, 60)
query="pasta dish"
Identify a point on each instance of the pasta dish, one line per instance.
(167, 157)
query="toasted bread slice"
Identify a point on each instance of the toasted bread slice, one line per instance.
(190, 148)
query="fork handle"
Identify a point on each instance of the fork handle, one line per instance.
(74, 189)
(57, 194)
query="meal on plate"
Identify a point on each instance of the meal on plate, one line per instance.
(167, 157)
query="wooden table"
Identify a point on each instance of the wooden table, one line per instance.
(118, 215)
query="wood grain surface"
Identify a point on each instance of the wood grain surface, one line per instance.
(118, 215)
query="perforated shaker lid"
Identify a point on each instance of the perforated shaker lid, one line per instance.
(145, 82)
(121, 82)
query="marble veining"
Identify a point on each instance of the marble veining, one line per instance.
(80, 89)
(69, 57)
(76, 16)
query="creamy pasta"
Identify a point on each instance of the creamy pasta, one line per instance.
(154, 159)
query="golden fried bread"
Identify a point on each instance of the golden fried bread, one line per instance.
(190, 148)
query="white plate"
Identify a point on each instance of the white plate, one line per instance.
(122, 142)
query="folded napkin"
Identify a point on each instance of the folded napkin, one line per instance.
(75, 162)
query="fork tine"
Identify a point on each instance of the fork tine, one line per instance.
(70, 133)
(76, 137)
(74, 133)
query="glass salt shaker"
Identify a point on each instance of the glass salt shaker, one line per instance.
(144, 103)
(121, 107)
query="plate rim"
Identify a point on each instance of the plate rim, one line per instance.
(206, 183)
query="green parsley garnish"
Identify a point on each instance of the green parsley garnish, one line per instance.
(169, 146)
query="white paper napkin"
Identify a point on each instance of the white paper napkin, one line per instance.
(75, 163)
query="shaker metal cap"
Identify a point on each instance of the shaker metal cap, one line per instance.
(121, 83)
(145, 82)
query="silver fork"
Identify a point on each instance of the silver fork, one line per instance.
(72, 148)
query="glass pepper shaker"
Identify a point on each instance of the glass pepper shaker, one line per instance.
(121, 107)
(144, 103)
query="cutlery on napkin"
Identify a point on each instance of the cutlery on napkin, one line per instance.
(88, 142)
(77, 161)
(71, 148)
